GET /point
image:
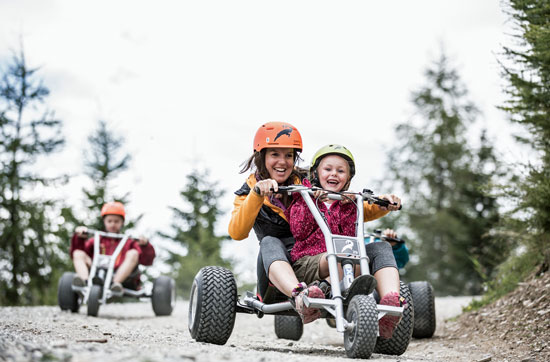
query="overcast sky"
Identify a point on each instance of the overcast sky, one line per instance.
(189, 82)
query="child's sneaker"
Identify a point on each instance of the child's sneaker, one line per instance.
(307, 314)
(116, 288)
(388, 323)
(78, 281)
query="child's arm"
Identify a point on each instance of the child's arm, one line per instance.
(89, 247)
(243, 216)
(78, 242)
(147, 254)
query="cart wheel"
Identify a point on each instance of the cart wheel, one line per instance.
(424, 309)
(66, 297)
(212, 306)
(360, 341)
(402, 334)
(164, 296)
(93, 300)
(288, 327)
(331, 322)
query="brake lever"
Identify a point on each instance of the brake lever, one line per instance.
(378, 201)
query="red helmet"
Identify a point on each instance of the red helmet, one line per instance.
(277, 135)
(113, 208)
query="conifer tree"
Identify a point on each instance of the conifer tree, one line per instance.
(193, 229)
(442, 176)
(104, 160)
(528, 104)
(30, 258)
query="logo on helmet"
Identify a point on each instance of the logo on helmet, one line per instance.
(286, 131)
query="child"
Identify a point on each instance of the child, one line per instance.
(276, 149)
(332, 169)
(133, 253)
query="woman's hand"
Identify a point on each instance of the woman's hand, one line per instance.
(266, 187)
(393, 200)
(81, 231)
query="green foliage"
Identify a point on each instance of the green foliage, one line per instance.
(528, 186)
(529, 105)
(508, 275)
(30, 257)
(442, 176)
(193, 229)
(103, 163)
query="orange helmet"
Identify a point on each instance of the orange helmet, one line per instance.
(113, 208)
(277, 135)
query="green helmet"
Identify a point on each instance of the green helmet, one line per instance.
(332, 150)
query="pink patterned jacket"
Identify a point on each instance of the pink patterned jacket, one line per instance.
(341, 221)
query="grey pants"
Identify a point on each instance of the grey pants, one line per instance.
(380, 256)
(271, 249)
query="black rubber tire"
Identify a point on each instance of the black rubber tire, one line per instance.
(398, 343)
(331, 322)
(212, 305)
(288, 327)
(93, 300)
(361, 340)
(66, 297)
(164, 295)
(424, 309)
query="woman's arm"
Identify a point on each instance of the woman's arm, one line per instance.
(243, 216)
(372, 211)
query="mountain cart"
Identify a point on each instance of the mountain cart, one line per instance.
(214, 301)
(98, 292)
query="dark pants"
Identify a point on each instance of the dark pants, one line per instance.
(271, 249)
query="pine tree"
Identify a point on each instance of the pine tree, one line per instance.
(193, 229)
(104, 161)
(442, 177)
(30, 258)
(528, 104)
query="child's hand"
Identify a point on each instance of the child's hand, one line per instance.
(393, 200)
(390, 233)
(142, 241)
(321, 194)
(348, 198)
(81, 231)
(264, 187)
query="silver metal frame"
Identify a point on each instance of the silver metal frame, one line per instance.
(334, 306)
(107, 262)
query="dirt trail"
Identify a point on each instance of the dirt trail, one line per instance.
(125, 332)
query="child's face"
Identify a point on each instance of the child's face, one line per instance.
(279, 163)
(333, 172)
(113, 223)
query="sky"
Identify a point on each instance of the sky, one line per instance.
(188, 83)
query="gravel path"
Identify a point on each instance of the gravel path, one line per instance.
(131, 332)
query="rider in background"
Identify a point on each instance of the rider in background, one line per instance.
(332, 169)
(134, 252)
(400, 250)
(277, 146)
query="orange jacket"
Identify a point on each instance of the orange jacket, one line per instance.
(252, 210)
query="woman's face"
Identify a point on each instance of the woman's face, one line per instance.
(333, 172)
(113, 223)
(279, 162)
